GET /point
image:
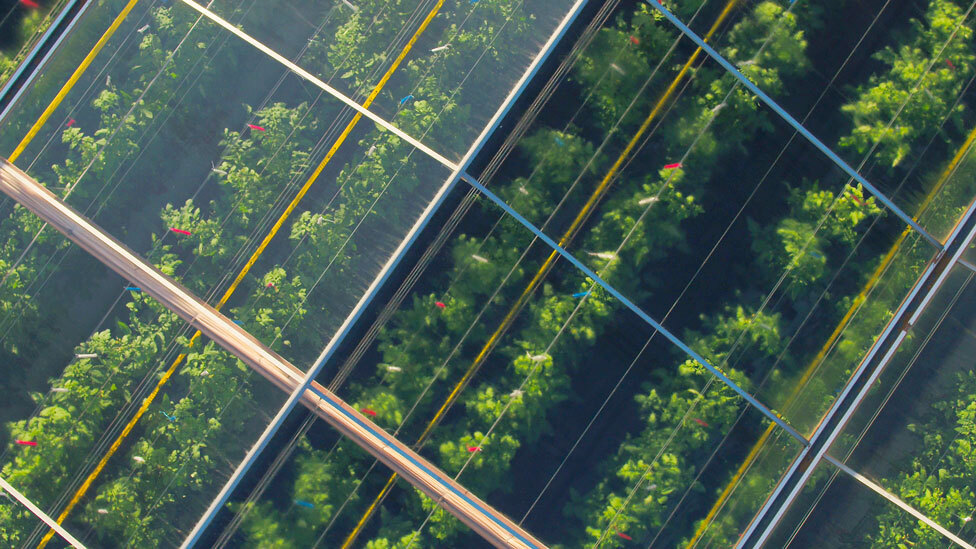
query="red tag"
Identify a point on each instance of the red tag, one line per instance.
(71, 122)
(951, 66)
(26, 443)
(672, 166)
(180, 231)
(625, 536)
(30, 4)
(440, 304)
(700, 422)
(255, 127)
(634, 40)
(368, 412)
(856, 199)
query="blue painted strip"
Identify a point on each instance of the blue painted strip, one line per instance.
(389, 441)
(40, 43)
(795, 123)
(637, 310)
(289, 405)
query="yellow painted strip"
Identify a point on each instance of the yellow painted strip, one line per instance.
(812, 367)
(568, 235)
(370, 510)
(247, 267)
(72, 81)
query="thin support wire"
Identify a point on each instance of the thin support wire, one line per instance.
(371, 292)
(828, 152)
(637, 310)
(319, 83)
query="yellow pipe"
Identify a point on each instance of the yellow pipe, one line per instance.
(72, 81)
(247, 267)
(812, 367)
(568, 235)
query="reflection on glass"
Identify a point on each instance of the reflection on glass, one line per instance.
(518, 397)
(836, 510)
(912, 432)
(23, 24)
(779, 262)
(744, 493)
(886, 94)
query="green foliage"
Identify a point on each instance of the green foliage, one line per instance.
(938, 479)
(530, 370)
(799, 245)
(901, 109)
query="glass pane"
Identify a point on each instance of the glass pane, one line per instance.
(562, 385)
(744, 241)
(188, 431)
(460, 59)
(912, 430)
(745, 491)
(969, 254)
(886, 94)
(266, 218)
(835, 510)
(73, 49)
(230, 129)
(852, 323)
(22, 24)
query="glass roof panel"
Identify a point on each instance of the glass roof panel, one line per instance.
(835, 510)
(718, 222)
(225, 126)
(565, 392)
(898, 116)
(911, 432)
(442, 67)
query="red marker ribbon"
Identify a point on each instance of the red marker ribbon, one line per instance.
(30, 4)
(672, 166)
(856, 199)
(255, 127)
(368, 412)
(634, 40)
(474, 449)
(440, 304)
(700, 422)
(27, 443)
(180, 231)
(71, 122)
(625, 536)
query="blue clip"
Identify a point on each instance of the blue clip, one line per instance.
(169, 417)
(581, 294)
(133, 288)
(405, 99)
(305, 504)
(238, 322)
(560, 142)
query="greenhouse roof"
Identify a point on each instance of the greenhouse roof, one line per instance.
(620, 274)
